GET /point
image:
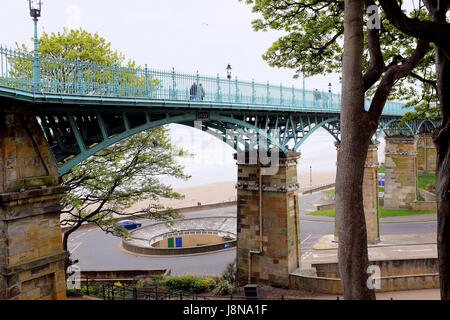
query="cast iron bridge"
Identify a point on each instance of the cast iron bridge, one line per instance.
(85, 107)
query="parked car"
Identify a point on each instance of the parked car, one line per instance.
(129, 224)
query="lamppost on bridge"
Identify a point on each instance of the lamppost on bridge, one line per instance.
(330, 98)
(35, 13)
(229, 81)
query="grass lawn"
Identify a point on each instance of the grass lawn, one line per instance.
(333, 191)
(425, 178)
(383, 212)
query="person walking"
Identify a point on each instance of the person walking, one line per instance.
(317, 97)
(193, 91)
(202, 91)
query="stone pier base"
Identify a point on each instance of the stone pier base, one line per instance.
(401, 173)
(280, 224)
(31, 253)
(426, 153)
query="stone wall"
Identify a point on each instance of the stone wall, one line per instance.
(280, 229)
(401, 173)
(396, 275)
(31, 254)
(426, 153)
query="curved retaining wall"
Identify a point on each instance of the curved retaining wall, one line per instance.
(396, 275)
(392, 283)
(142, 238)
(177, 251)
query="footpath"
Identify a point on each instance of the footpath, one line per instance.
(391, 247)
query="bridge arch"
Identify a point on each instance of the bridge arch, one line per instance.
(331, 125)
(225, 128)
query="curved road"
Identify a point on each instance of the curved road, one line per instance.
(99, 251)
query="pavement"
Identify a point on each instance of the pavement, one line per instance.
(391, 247)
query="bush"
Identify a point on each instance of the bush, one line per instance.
(223, 288)
(230, 273)
(190, 284)
(72, 292)
(155, 281)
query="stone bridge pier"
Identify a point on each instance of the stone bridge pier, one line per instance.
(31, 253)
(268, 238)
(426, 153)
(401, 172)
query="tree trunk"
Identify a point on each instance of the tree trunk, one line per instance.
(356, 131)
(65, 245)
(442, 141)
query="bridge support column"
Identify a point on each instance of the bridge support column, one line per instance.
(370, 195)
(268, 259)
(31, 254)
(401, 172)
(426, 153)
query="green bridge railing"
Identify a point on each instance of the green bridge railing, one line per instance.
(74, 77)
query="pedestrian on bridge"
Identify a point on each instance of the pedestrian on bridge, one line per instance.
(317, 97)
(202, 91)
(193, 91)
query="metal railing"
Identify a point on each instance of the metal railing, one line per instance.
(83, 78)
(113, 292)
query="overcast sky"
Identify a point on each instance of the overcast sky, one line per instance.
(203, 35)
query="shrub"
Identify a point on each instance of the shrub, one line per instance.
(155, 281)
(223, 288)
(190, 284)
(230, 273)
(71, 292)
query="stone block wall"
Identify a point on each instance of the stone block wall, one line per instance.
(31, 254)
(370, 195)
(401, 172)
(426, 153)
(280, 226)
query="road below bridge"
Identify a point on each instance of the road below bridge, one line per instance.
(99, 251)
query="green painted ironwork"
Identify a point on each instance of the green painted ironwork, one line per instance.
(75, 80)
(85, 107)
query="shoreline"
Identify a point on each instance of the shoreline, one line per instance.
(225, 191)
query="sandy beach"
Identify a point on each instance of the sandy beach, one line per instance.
(225, 191)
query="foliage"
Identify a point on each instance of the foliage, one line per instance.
(155, 281)
(109, 183)
(426, 180)
(71, 292)
(223, 288)
(190, 284)
(312, 44)
(71, 55)
(229, 274)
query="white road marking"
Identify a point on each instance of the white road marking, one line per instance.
(78, 244)
(306, 239)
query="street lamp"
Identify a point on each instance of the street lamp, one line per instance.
(35, 13)
(229, 71)
(229, 81)
(330, 98)
(35, 8)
